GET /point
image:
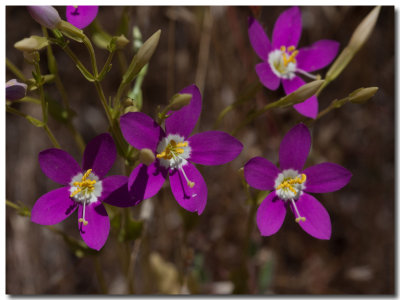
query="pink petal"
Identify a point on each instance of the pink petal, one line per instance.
(141, 131)
(318, 222)
(294, 148)
(115, 191)
(53, 207)
(319, 55)
(258, 39)
(194, 198)
(214, 148)
(260, 173)
(183, 121)
(326, 178)
(81, 16)
(267, 77)
(95, 233)
(145, 182)
(270, 215)
(309, 107)
(287, 28)
(58, 165)
(100, 154)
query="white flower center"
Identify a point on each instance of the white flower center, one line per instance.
(173, 152)
(85, 189)
(289, 186)
(283, 62)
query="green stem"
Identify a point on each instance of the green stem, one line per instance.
(106, 65)
(77, 62)
(12, 204)
(13, 68)
(51, 136)
(89, 46)
(100, 275)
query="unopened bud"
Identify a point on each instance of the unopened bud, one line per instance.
(15, 90)
(121, 41)
(362, 95)
(71, 31)
(142, 57)
(364, 29)
(45, 15)
(130, 109)
(33, 43)
(302, 93)
(179, 100)
(146, 156)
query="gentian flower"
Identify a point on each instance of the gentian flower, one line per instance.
(81, 16)
(85, 189)
(15, 90)
(175, 152)
(284, 62)
(45, 15)
(290, 185)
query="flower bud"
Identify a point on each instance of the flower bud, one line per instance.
(33, 43)
(121, 41)
(15, 90)
(179, 100)
(146, 156)
(71, 31)
(362, 95)
(301, 94)
(45, 15)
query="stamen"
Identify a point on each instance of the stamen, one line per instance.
(309, 75)
(84, 185)
(82, 220)
(288, 183)
(299, 218)
(291, 48)
(189, 183)
(283, 48)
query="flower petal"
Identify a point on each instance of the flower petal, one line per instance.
(270, 215)
(318, 222)
(100, 154)
(141, 131)
(192, 199)
(15, 90)
(260, 173)
(287, 28)
(58, 165)
(258, 39)
(145, 181)
(267, 77)
(326, 178)
(294, 148)
(115, 191)
(319, 55)
(183, 121)
(213, 148)
(81, 16)
(53, 207)
(309, 107)
(95, 233)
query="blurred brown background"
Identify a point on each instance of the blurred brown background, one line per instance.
(210, 47)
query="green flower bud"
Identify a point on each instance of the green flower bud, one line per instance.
(146, 156)
(362, 95)
(33, 43)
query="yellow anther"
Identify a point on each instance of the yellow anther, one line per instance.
(283, 48)
(302, 219)
(77, 191)
(172, 149)
(85, 184)
(182, 144)
(291, 48)
(288, 183)
(87, 173)
(190, 184)
(82, 220)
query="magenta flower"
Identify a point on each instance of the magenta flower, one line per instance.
(291, 185)
(283, 62)
(84, 189)
(175, 152)
(15, 90)
(81, 16)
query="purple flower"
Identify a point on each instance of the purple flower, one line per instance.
(84, 189)
(291, 185)
(81, 16)
(15, 90)
(175, 152)
(45, 15)
(283, 62)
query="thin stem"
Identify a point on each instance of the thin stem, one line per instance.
(100, 275)
(41, 91)
(13, 205)
(51, 136)
(106, 65)
(89, 46)
(76, 60)
(13, 68)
